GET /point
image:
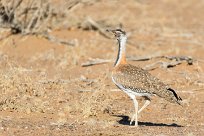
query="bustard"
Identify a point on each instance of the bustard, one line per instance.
(135, 81)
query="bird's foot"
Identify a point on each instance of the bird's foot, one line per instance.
(132, 119)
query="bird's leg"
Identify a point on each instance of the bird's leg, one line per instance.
(134, 117)
(147, 102)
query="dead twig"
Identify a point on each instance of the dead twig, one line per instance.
(162, 64)
(96, 26)
(58, 41)
(146, 58)
(31, 17)
(178, 60)
(94, 62)
(15, 6)
(102, 61)
(73, 4)
(188, 59)
(90, 24)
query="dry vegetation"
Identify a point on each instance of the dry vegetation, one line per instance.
(49, 88)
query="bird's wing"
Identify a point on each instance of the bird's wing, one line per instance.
(139, 80)
(135, 78)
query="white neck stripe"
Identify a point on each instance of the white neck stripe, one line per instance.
(121, 50)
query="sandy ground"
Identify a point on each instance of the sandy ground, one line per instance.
(45, 90)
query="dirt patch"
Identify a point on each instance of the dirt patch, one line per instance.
(45, 90)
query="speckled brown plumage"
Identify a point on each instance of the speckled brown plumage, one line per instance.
(140, 81)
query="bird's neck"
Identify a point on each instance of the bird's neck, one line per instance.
(121, 58)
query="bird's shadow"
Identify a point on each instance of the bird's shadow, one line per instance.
(125, 121)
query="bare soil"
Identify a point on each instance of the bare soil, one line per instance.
(45, 91)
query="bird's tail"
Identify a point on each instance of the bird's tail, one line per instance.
(174, 98)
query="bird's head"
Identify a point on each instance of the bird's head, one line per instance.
(118, 33)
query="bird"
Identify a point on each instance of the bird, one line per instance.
(137, 82)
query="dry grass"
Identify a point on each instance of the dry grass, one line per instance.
(30, 17)
(35, 92)
(51, 81)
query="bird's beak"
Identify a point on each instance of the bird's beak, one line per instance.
(112, 31)
(109, 30)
